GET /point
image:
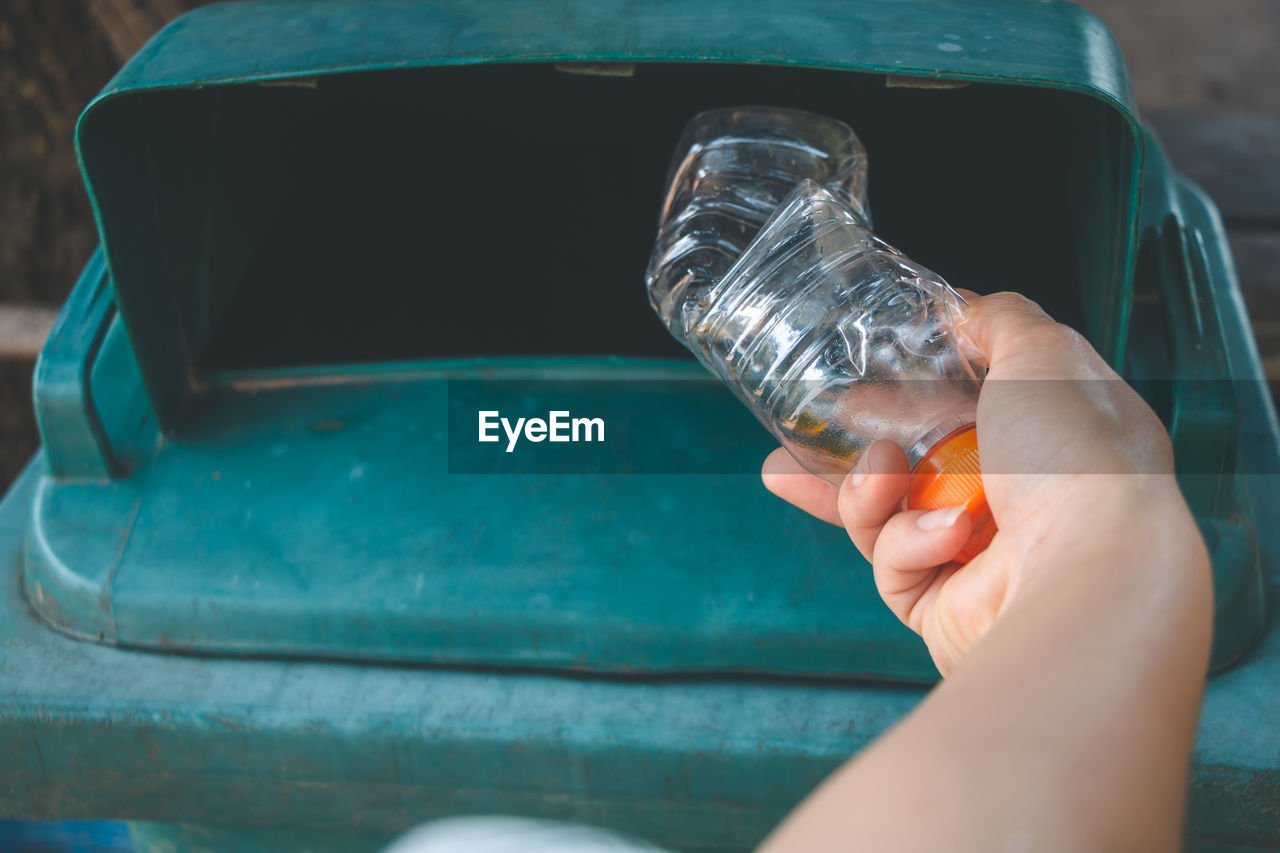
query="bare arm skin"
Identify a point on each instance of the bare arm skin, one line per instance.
(1074, 648)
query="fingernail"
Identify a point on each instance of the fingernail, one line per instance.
(939, 518)
(861, 469)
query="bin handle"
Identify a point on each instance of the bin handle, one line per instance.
(1203, 424)
(76, 444)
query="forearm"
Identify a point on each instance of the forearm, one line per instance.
(1070, 722)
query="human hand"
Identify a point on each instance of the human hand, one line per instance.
(1068, 451)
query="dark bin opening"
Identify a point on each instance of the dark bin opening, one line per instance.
(510, 209)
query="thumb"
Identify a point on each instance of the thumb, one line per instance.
(1002, 325)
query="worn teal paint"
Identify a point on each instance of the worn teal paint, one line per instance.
(305, 513)
(150, 837)
(77, 441)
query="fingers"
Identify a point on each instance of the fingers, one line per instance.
(909, 551)
(872, 493)
(912, 553)
(783, 476)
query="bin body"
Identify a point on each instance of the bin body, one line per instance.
(259, 580)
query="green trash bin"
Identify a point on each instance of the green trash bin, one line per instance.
(265, 585)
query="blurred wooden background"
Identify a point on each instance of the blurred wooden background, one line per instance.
(1207, 75)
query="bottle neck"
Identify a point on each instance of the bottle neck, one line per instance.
(936, 433)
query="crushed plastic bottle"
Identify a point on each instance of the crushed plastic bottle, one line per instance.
(731, 170)
(834, 340)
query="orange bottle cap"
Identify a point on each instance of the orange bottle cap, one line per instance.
(950, 474)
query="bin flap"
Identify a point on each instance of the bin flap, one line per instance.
(194, 152)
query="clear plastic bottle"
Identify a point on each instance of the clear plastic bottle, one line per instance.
(834, 340)
(731, 170)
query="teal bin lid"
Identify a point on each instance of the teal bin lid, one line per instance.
(201, 142)
(324, 224)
